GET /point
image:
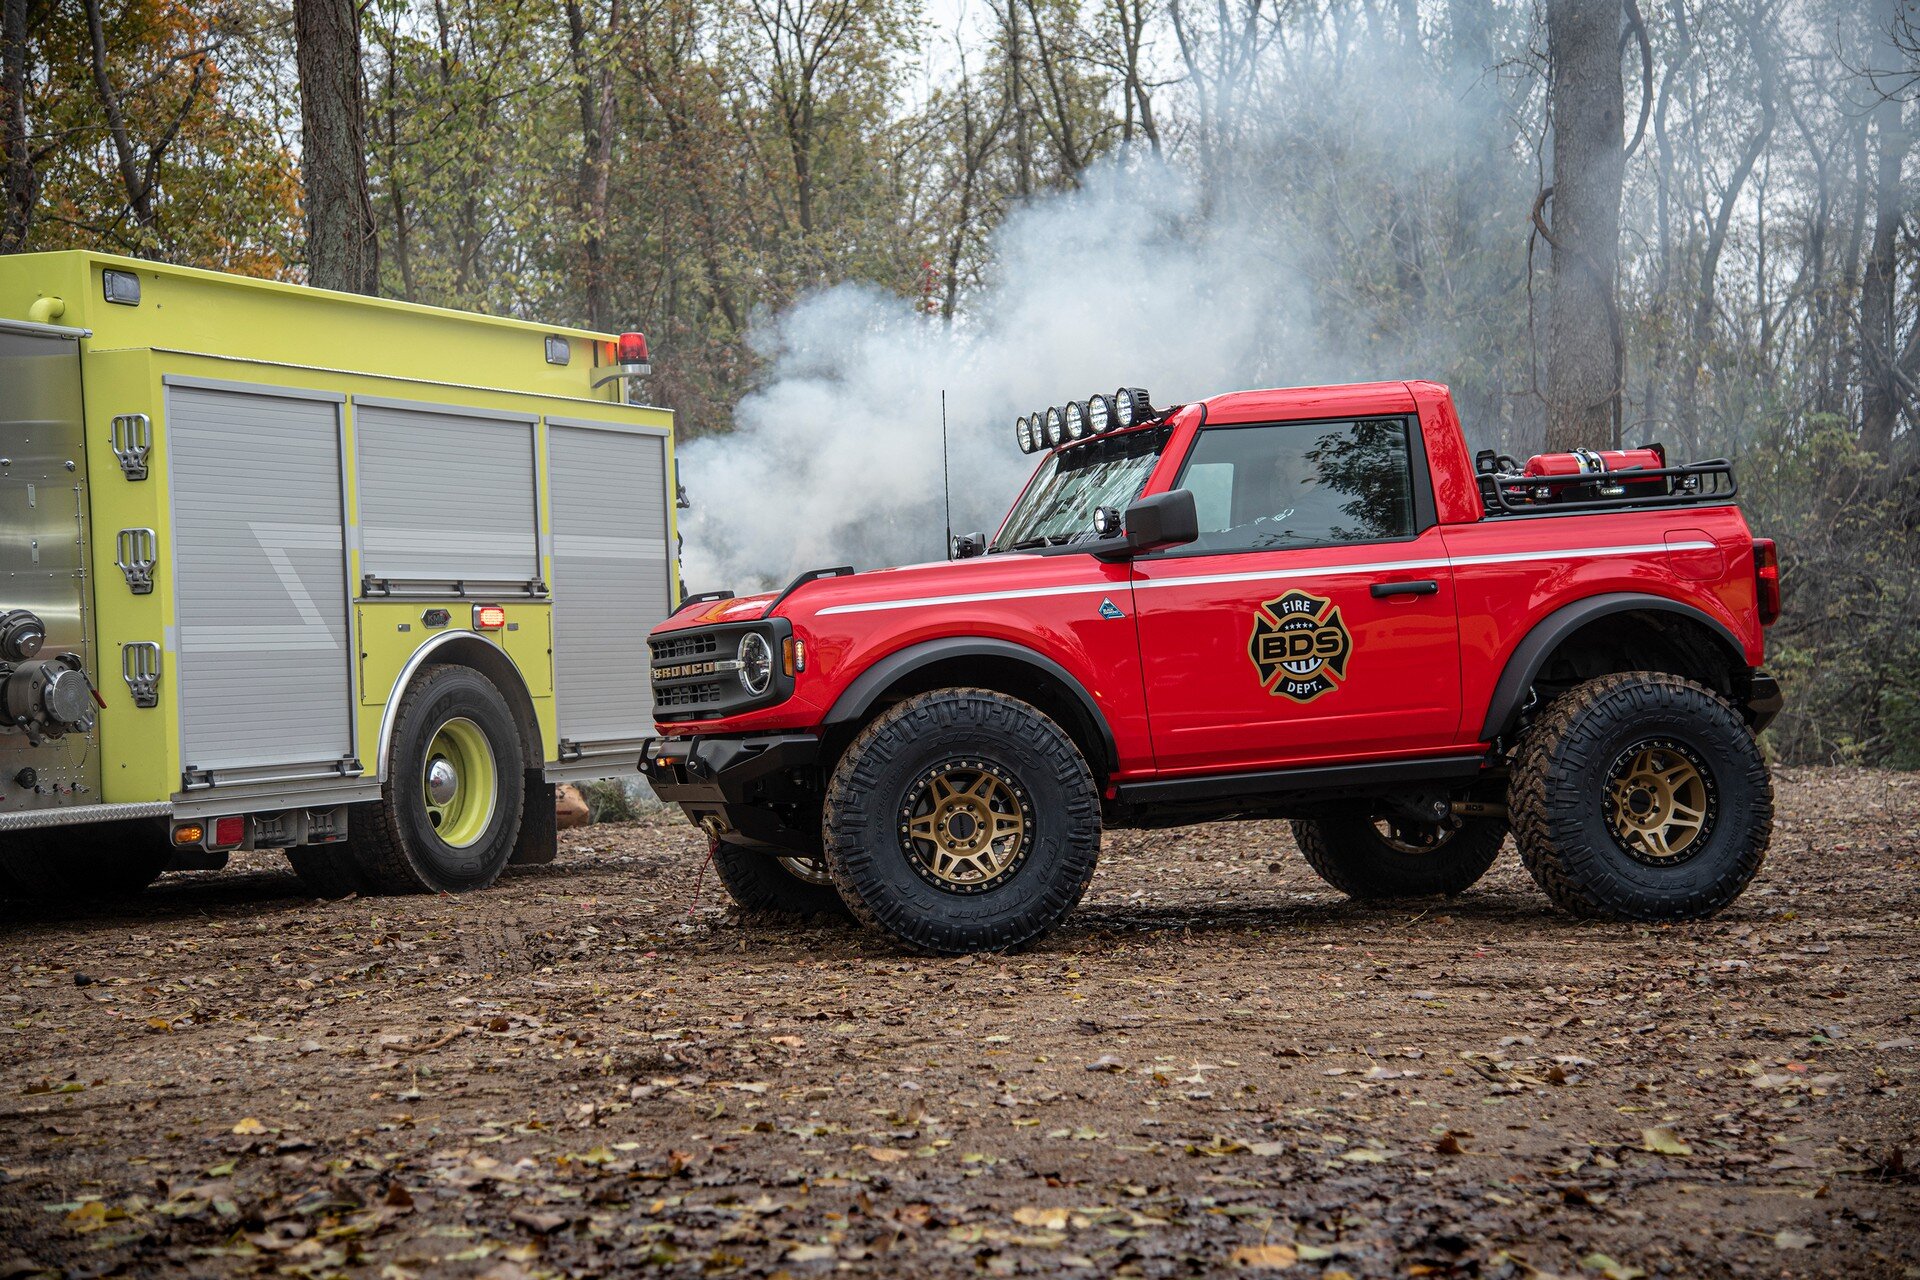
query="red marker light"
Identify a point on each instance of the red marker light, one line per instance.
(228, 831)
(489, 617)
(1766, 579)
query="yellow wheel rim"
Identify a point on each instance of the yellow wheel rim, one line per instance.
(964, 826)
(1660, 802)
(458, 782)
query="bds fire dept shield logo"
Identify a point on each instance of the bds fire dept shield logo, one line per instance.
(1300, 646)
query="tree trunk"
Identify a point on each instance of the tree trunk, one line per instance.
(342, 241)
(19, 182)
(1879, 372)
(1583, 332)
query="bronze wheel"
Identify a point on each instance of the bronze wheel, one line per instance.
(964, 824)
(1660, 802)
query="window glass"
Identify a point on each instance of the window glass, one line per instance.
(1301, 484)
(1071, 485)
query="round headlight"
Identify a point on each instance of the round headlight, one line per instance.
(1100, 414)
(756, 663)
(1076, 416)
(1023, 432)
(1056, 431)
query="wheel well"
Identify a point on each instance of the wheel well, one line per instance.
(1641, 640)
(489, 661)
(1017, 679)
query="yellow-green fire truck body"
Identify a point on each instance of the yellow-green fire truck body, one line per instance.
(243, 518)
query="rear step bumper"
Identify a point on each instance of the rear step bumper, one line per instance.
(1764, 700)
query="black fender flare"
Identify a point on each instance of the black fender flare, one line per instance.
(1531, 654)
(857, 700)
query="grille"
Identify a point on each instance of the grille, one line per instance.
(678, 648)
(687, 695)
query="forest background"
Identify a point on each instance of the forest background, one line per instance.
(1600, 221)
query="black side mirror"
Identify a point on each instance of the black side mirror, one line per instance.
(1163, 520)
(968, 545)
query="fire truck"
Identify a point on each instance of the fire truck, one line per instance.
(1314, 604)
(292, 569)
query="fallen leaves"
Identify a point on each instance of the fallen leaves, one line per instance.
(1263, 1257)
(1664, 1141)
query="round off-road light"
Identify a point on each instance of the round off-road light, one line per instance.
(1023, 432)
(1076, 419)
(1100, 414)
(1056, 428)
(1131, 406)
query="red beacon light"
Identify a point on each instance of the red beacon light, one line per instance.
(630, 351)
(630, 359)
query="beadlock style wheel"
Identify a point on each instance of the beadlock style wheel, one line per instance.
(1660, 801)
(1368, 857)
(1641, 796)
(964, 826)
(962, 820)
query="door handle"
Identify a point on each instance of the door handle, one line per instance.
(1423, 587)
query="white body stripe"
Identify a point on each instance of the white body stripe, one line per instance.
(1274, 575)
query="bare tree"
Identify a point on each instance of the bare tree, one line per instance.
(19, 176)
(140, 177)
(343, 250)
(1584, 348)
(594, 87)
(1887, 376)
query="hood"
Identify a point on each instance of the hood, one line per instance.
(933, 578)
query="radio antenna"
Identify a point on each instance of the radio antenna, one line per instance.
(946, 482)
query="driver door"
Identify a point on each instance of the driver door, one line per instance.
(1314, 619)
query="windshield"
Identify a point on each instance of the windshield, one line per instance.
(1058, 506)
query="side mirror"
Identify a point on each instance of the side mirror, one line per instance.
(968, 545)
(1164, 520)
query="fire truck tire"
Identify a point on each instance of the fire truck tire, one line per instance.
(450, 809)
(327, 872)
(1641, 796)
(962, 820)
(760, 882)
(1355, 856)
(89, 862)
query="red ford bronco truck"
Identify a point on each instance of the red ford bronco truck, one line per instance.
(1312, 604)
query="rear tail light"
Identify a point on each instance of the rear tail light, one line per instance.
(1766, 577)
(489, 617)
(228, 831)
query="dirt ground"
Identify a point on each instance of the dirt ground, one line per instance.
(1219, 1063)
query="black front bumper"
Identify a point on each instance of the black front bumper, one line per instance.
(761, 790)
(1764, 700)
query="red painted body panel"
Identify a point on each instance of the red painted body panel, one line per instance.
(1175, 677)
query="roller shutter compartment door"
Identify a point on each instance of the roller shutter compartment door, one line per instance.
(610, 577)
(446, 498)
(262, 667)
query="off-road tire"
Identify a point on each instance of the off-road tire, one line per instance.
(328, 871)
(760, 883)
(1352, 854)
(862, 817)
(93, 861)
(392, 841)
(1557, 799)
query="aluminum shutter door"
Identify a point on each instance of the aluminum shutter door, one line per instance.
(609, 494)
(258, 551)
(446, 497)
